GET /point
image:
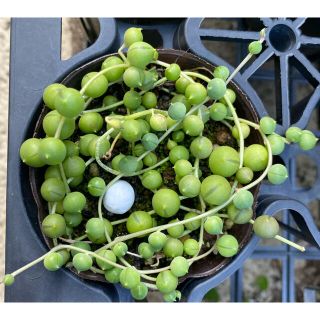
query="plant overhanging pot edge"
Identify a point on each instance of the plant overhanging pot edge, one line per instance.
(174, 56)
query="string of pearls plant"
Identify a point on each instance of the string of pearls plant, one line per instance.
(97, 144)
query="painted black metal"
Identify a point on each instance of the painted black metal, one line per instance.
(35, 62)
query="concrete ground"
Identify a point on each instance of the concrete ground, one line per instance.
(4, 90)
(71, 43)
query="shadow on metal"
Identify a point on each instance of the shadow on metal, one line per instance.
(195, 290)
(35, 63)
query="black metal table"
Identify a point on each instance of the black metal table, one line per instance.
(35, 63)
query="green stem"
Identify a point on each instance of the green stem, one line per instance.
(203, 209)
(166, 65)
(120, 53)
(86, 105)
(192, 110)
(197, 75)
(190, 209)
(104, 108)
(239, 67)
(133, 254)
(201, 235)
(114, 223)
(100, 204)
(202, 68)
(64, 179)
(97, 157)
(265, 172)
(250, 123)
(120, 103)
(34, 262)
(202, 215)
(105, 229)
(245, 60)
(137, 173)
(290, 243)
(106, 168)
(165, 226)
(286, 241)
(63, 176)
(95, 255)
(101, 217)
(85, 87)
(126, 219)
(168, 91)
(126, 263)
(196, 167)
(234, 187)
(115, 172)
(60, 125)
(202, 203)
(81, 237)
(151, 286)
(142, 114)
(53, 209)
(149, 168)
(161, 63)
(185, 232)
(61, 247)
(97, 270)
(191, 260)
(227, 124)
(237, 122)
(91, 99)
(86, 164)
(72, 241)
(206, 214)
(199, 257)
(221, 215)
(109, 152)
(157, 83)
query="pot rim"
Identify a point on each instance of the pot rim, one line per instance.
(179, 54)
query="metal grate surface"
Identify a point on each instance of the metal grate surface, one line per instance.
(290, 61)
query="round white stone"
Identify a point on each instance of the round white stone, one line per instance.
(119, 198)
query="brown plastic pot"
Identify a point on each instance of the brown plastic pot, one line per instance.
(211, 264)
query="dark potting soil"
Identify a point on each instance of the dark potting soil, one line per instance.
(217, 132)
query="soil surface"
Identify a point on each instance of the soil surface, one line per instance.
(73, 42)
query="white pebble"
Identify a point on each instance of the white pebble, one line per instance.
(119, 198)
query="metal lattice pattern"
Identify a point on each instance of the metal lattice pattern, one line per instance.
(284, 44)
